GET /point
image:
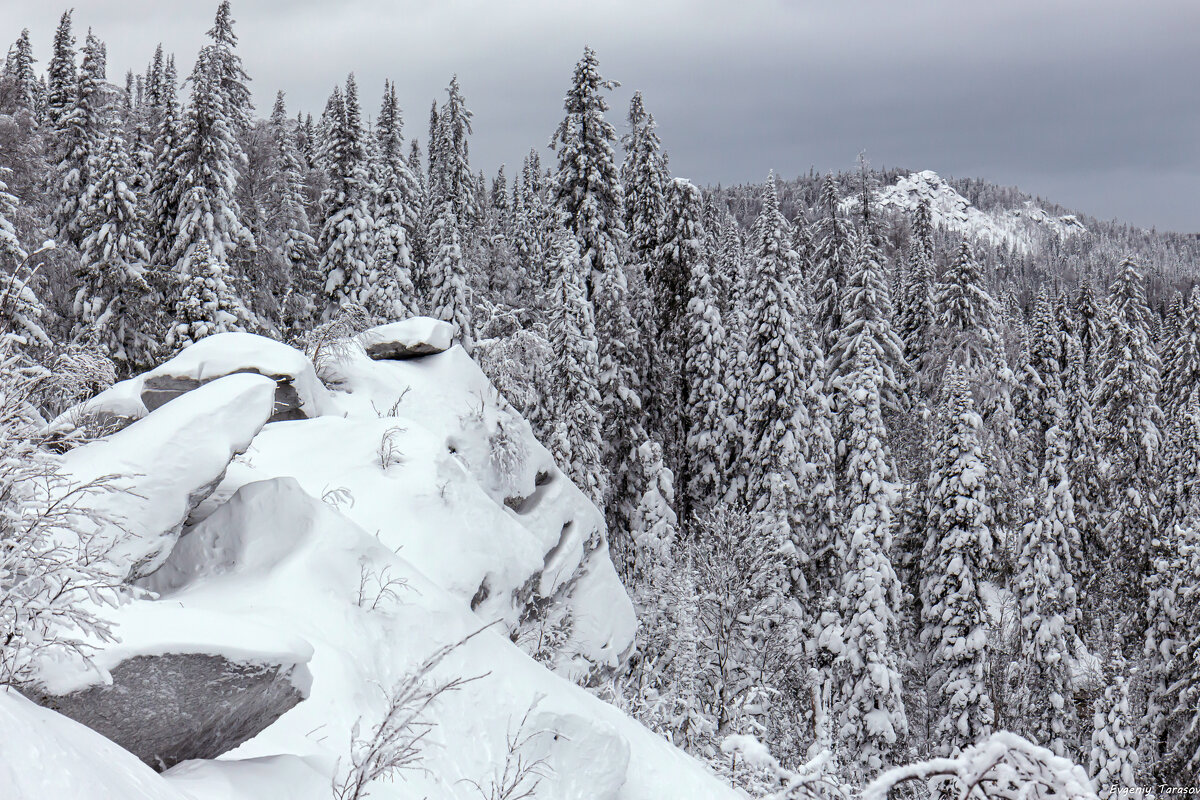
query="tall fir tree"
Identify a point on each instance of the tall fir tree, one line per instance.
(957, 552)
(1045, 588)
(833, 259)
(396, 211)
(915, 312)
(111, 301)
(162, 191)
(586, 185)
(645, 180)
(205, 303)
(62, 81)
(1181, 355)
(346, 242)
(966, 315)
(869, 703)
(210, 152)
(1130, 424)
(79, 133)
(295, 249)
(18, 69)
(576, 439)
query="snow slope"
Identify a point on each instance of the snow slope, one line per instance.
(416, 511)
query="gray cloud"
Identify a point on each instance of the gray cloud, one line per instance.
(1092, 104)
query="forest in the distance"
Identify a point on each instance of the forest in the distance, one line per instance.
(880, 482)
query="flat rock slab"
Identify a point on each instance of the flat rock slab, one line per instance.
(170, 708)
(157, 390)
(411, 338)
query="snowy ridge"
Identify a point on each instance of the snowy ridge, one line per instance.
(1022, 229)
(352, 545)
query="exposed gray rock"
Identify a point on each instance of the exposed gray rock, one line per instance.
(170, 708)
(411, 338)
(160, 389)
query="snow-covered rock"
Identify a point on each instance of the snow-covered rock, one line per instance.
(170, 708)
(584, 760)
(167, 463)
(299, 394)
(410, 338)
(45, 756)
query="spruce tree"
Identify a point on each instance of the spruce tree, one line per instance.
(295, 247)
(449, 289)
(110, 307)
(1130, 423)
(1181, 358)
(346, 242)
(210, 153)
(915, 312)
(18, 68)
(645, 180)
(586, 185)
(396, 212)
(62, 82)
(1114, 757)
(78, 135)
(575, 441)
(205, 304)
(833, 259)
(966, 315)
(957, 550)
(869, 704)
(450, 177)
(1045, 589)
(162, 191)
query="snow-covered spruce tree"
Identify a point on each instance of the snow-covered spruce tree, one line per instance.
(78, 136)
(788, 431)
(22, 313)
(210, 153)
(957, 548)
(295, 247)
(205, 305)
(586, 185)
(966, 316)
(1181, 357)
(395, 213)
(668, 274)
(18, 70)
(654, 525)
(1045, 588)
(914, 311)
(62, 81)
(707, 413)
(1176, 742)
(450, 177)
(1083, 469)
(575, 440)
(867, 323)
(162, 198)
(110, 307)
(644, 177)
(1114, 757)
(1130, 423)
(1090, 321)
(833, 259)
(448, 287)
(868, 701)
(1039, 381)
(346, 242)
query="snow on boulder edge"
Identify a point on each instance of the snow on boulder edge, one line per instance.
(154, 472)
(410, 338)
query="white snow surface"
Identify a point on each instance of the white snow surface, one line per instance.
(415, 499)
(45, 756)
(1022, 229)
(167, 461)
(412, 332)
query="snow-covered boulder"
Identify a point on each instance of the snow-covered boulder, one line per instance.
(173, 707)
(167, 463)
(44, 755)
(298, 395)
(410, 338)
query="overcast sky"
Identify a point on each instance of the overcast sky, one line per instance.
(1094, 104)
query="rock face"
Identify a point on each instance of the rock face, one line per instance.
(169, 461)
(170, 708)
(298, 394)
(411, 338)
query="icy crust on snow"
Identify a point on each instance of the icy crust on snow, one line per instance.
(296, 565)
(168, 462)
(1022, 229)
(491, 534)
(410, 338)
(45, 756)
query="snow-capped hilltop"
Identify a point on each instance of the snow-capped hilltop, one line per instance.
(1022, 229)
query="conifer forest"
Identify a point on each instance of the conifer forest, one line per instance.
(334, 467)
